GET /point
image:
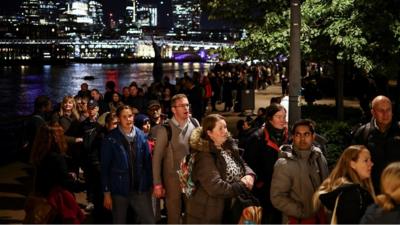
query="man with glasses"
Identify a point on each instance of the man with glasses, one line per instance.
(168, 151)
(297, 174)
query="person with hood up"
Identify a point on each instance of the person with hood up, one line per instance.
(219, 172)
(298, 173)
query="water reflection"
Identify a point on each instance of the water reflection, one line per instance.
(20, 85)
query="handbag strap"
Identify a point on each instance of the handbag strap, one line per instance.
(334, 219)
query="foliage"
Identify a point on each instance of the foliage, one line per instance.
(338, 133)
(365, 33)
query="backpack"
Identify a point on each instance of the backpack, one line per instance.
(38, 210)
(187, 185)
(186, 164)
(245, 209)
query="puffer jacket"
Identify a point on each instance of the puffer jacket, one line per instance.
(212, 190)
(297, 175)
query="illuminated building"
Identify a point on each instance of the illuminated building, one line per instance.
(147, 15)
(131, 12)
(186, 17)
(30, 11)
(82, 18)
(47, 13)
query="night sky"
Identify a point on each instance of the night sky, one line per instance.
(116, 7)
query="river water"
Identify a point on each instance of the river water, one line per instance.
(20, 85)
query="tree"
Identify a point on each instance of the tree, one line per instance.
(364, 34)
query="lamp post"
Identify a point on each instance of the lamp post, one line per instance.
(294, 63)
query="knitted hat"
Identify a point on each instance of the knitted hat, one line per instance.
(141, 119)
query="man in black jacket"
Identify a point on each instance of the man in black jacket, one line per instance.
(381, 136)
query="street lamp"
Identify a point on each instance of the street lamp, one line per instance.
(294, 62)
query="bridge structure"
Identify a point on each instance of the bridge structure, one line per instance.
(61, 49)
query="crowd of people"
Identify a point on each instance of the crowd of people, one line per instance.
(129, 146)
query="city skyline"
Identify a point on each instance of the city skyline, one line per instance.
(118, 9)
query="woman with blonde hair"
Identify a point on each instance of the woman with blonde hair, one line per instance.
(68, 118)
(348, 190)
(387, 207)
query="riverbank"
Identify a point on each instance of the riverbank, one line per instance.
(16, 176)
(102, 61)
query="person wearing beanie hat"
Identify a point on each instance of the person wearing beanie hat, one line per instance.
(142, 122)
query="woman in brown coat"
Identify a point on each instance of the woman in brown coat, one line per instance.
(219, 172)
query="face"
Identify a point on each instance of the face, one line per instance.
(83, 106)
(382, 112)
(181, 109)
(125, 92)
(363, 165)
(167, 92)
(115, 97)
(154, 111)
(126, 119)
(68, 105)
(219, 133)
(303, 138)
(95, 95)
(259, 113)
(48, 108)
(112, 124)
(146, 127)
(246, 125)
(84, 87)
(279, 119)
(78, 102)
(93, 111)
(133, 91)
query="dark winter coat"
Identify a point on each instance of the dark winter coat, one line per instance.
(352, 204)
(261, 153)
(376, 215)
(51, 172)
(116, 163)
(382, 146)
(213, 192)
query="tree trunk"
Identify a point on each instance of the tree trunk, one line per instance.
(339, 85)
(396, 110)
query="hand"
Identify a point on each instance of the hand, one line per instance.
(248, 180)
(259, 184)
(158, 191)
(77, 140)
(73, 176)
(107, 203)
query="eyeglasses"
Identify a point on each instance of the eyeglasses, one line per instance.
(183, 106)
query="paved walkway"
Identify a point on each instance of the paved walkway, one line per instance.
(16, 177)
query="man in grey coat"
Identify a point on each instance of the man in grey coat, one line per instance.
(167, 155)
(297, 174)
